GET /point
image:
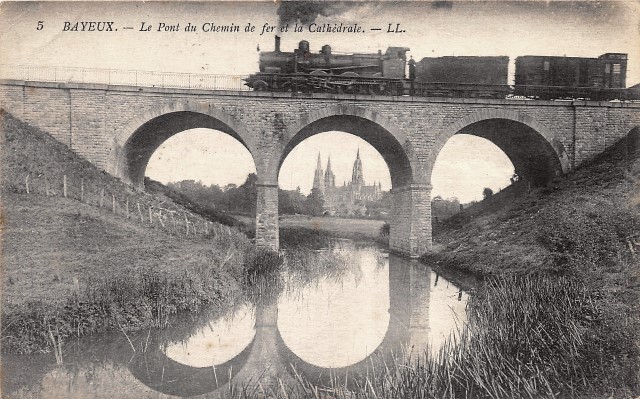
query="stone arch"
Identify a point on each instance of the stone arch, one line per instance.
(369, 125)
(134, 144)
(534, 150)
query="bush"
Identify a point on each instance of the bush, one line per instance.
(385, 230)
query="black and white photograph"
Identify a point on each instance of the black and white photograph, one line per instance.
(320, 199)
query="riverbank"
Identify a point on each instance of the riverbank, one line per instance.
(84, 253)
(301, 229)
(71, 270)
(584, 230)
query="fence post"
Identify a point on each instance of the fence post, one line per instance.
(140, 212)
(127, 206)
(186, 223)
(82, 189)
(160, 218)
(26, 182)
(113, 203)
(150, 216)
(101, 197)
(46, 185)
(64, 185)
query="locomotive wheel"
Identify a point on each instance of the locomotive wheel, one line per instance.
(260, 85)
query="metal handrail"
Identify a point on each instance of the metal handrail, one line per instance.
(118, 77)
(180, 80)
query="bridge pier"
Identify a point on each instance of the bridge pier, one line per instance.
(410, 233)
(267, 234)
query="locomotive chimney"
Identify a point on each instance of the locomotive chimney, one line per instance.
(277, 44)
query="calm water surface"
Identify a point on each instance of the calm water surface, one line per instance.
(356, 309)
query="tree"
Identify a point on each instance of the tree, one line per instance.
(487, 193)
(291, 202)
(315, 203)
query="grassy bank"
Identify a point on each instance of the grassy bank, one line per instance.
(71, 270)
(89, 261)
(579, 238)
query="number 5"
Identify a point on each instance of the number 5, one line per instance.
(40, 25)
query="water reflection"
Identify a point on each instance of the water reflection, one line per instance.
(366, 309)
(338, 321)
(220, 341)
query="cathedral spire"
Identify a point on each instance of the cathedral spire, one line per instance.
(357, 178)
(329, 177)
(318, 177)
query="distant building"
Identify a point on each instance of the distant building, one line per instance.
(350, 198)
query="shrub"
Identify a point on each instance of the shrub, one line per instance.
(385, 230)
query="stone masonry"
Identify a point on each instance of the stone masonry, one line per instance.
(118, 128)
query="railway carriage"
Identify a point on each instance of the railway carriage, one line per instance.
(463, 76)
(548, 77)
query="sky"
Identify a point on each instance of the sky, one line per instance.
(582, 28)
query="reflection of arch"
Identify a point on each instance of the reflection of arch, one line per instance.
(163, 374)
(268, 360)
(135, 144)
(372, 127)
(532, 148)
(400, 334)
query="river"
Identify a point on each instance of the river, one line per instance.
(333, 324)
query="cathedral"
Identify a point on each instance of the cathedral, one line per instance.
(350, 198)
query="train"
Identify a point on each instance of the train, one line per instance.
(536, 77)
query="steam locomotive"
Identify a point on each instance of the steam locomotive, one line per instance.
(536, 77)
(302, 70)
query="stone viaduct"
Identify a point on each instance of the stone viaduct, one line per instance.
(119, 127)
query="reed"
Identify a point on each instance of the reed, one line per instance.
(526, 337)
(119, 302)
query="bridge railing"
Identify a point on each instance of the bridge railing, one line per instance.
(118, 77)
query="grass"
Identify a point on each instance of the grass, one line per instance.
(305, 230)
(532, 336)
(526, 337)
(72, 268)
(580, 231)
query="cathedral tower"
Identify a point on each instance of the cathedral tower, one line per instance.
(357, 178)
(318, 178)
